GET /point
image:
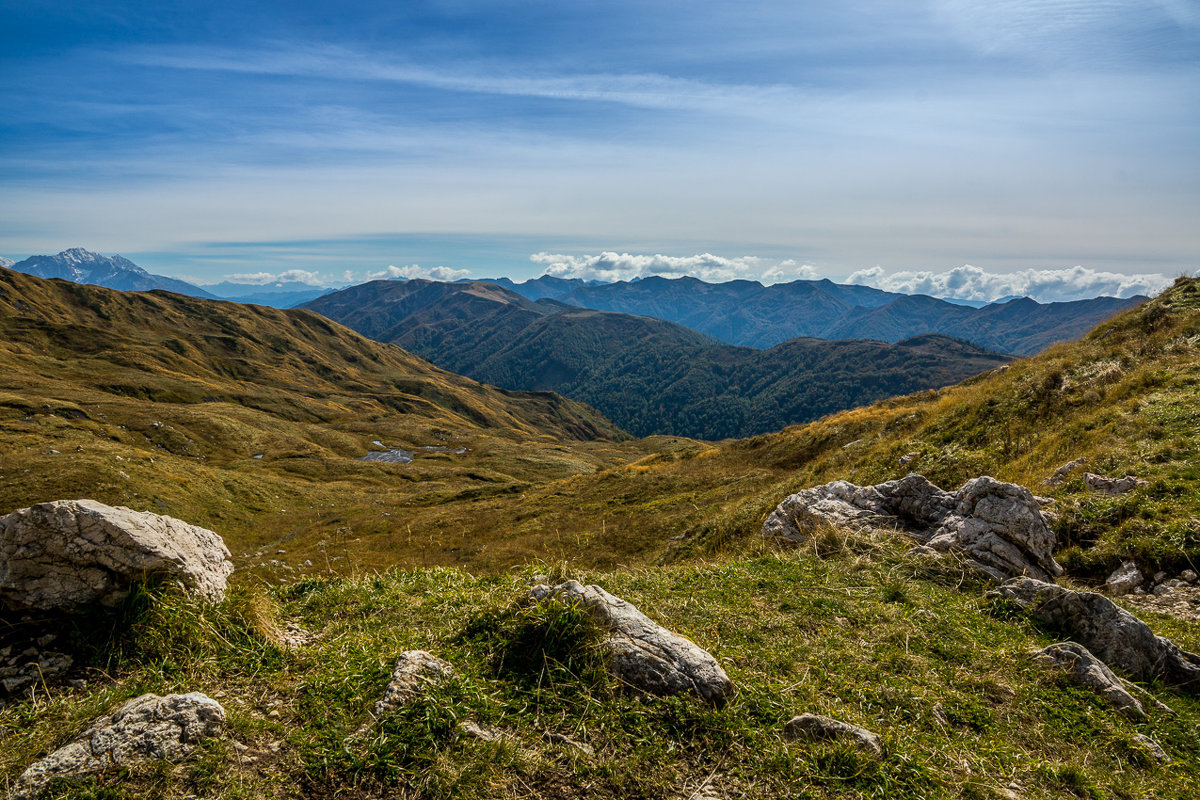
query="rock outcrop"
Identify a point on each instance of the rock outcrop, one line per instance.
(414, 671)
(146, 728)
(998, 526)
(642, 653)
(825, 729)
(1087, 670)
(1116, 637)
(61, 555)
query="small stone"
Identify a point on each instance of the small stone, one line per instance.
(907, 457)
(567, 741)
(1060, 474)
(483, 733)
(1188, 575)
(413, 672)
(1160, 576)
(816, 727)
(1112, 486)
(1124, 580)
(1151, 746)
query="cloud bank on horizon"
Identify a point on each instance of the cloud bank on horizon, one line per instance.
(1001, 134)
(611, 267)
(1044, 285)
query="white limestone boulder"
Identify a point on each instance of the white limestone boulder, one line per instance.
(69, 553)
(642, 653)
(998, 526)
(144, 729)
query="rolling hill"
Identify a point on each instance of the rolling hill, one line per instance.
(217, 411)
(649, 376)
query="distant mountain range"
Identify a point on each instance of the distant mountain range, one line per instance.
(117, 272)
(750, 314)
(647, 375)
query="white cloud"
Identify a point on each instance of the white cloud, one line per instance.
(411, 271)
(1044, 285)
(287, 276)
(611, 267)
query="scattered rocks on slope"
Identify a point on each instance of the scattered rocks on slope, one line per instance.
(1060, 474)
(30, 667)
(643, 654)
(999, 526)
(146, 728)
(414, 671)
(60, 555)
(1087, 670)
(1112, 486)
(1118, 638)
(818, 728)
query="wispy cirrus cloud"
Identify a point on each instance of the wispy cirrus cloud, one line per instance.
(1044, 285)
(611, 267)
(329, 62)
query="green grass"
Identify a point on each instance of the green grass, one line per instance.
(866, 635)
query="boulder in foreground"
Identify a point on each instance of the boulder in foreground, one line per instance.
(144, 729)
(1116, 637)
(998, 526)
(642, 653)
(68, 553)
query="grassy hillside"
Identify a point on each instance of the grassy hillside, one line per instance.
(850, 626)
(863, 634)
(1126, 397)
(251, 420)
(648, 375)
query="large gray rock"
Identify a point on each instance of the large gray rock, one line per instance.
(60, 555)
(825, 729)
(642, 653)
(146, 728)
(1116, 637)
(414, 671)
(1087, 670)
(998, 526)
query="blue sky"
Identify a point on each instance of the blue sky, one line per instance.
(894, 141)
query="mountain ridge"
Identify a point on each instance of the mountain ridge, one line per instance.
(647, 374)
(750, 314)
